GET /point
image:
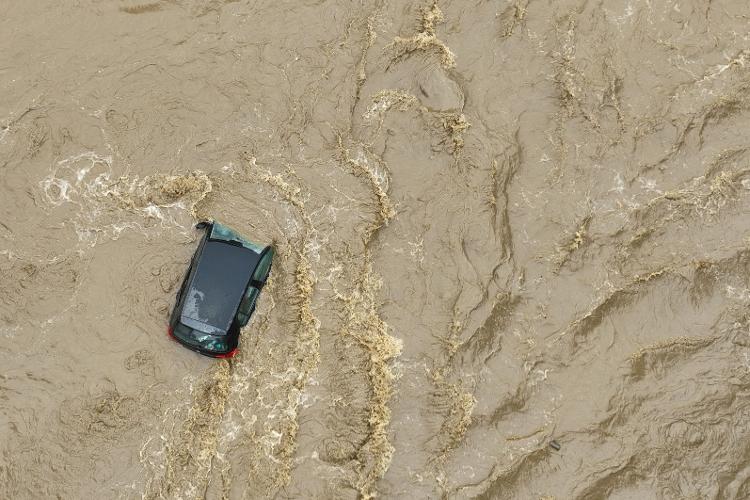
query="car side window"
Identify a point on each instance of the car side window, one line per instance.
(264, 268)
(247, 305)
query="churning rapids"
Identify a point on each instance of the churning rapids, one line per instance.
(498, 223)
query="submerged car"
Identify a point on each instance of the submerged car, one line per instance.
(219, 292)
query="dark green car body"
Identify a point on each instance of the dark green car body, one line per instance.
(220, 291)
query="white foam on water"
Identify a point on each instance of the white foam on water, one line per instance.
(68, 176)
(619, 183)
(87, 236)
(119, 227)
(377, 108)
(649, 185)
(739, 294)
(9, 332)
(59, 194)
(154, 211)
(107, 201)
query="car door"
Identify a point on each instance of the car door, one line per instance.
(247, 306)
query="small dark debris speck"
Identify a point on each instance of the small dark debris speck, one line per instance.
(555, 445)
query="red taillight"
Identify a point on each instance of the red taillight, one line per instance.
(230, 354)
(170, 331)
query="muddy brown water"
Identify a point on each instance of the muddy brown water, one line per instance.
(498, 224)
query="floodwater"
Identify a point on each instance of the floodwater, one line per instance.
(498, 224)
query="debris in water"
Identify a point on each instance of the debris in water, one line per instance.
(555, 445)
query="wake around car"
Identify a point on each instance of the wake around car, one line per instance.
(219, 292)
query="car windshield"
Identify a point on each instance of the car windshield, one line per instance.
(217, 343)
(222, 232)
(219, 283)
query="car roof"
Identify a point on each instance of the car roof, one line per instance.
(216, 288)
